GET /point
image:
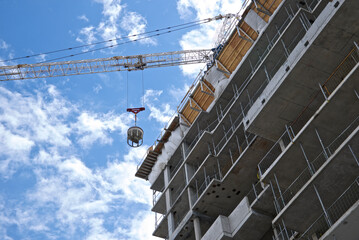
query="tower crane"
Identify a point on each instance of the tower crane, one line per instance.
(101, 65)
(114, 64)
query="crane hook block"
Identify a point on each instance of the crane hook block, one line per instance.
(135, 110)
(135, 133)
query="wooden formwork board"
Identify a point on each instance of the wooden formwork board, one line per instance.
(236, 48)
(152, 152)
(202, 97)
(269, 5)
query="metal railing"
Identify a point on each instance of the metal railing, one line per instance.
(284, 233)
(261, 58)
(333, 81)
(341, 71)
(256, 66)
(254, 192)
(275, 151)
(227, 30)
(313, 167)
(174, 170)
(347, 64)
(335, 211)
(159, 219)
(177, 193)
(202, 186)
(333, 146)
(156, 195)
(228, 134)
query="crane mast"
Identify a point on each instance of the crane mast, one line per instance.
(101, 65)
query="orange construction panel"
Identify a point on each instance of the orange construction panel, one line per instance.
(236, 48)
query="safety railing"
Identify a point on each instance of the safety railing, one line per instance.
(293, 189)
(341, 71)
(284, 233)
(313, 167)
(254, 192)
(228, 134)
(174, 169)
(334, 212)
(254, 68)
(347, 64)
(261, 58)
(333, 81)
(202, 186)
(344, 135)
(227, 30)
(177, 193)
(158, 219)
(178, 218)
(275, 151)
(156, 195)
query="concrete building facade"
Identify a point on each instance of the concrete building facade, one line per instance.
(269, 145)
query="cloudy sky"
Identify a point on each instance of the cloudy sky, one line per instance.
(65, 169)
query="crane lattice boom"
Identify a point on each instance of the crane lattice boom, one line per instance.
(100, 65)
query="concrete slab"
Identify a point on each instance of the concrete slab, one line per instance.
(329, 39)
(342, 109)
(161, 230)
(160, 205)
(346, 227)
(336, 174)
(221, 197)
(264, 203)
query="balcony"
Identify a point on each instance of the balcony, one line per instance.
(341, 107)
(309, 64)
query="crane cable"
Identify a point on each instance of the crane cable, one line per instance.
(193, 23)
(143, 89)
(114, 45)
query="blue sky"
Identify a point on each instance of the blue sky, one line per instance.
(65, 169)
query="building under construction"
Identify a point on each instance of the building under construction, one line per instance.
(265, 144)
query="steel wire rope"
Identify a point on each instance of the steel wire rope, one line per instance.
(193, 23)
(115, 45)
(143, 91)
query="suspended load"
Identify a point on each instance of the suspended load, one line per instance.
(135, 133)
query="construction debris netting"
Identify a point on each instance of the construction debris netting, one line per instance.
(167, 151)
(219, 81)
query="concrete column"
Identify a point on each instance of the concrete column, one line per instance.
(170, 219)
(191, 194)
(184, 147)
(197, 228)
(170, 224)
(281, 145)
(189, 171)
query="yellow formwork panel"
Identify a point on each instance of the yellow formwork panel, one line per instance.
(236, 48)
(269, 5)
(202, 98)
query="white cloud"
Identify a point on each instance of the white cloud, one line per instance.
(97, 89)
(3, 45)
(114, 23)
(29, 120)
(41, 58)
(92, 127)
(205, 35)
(83, 17)
(87, 35)
(79, 197)
(163, 112)
(135, 24)
(179, 93)
(145, 219)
